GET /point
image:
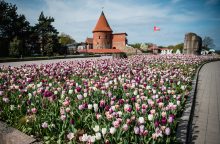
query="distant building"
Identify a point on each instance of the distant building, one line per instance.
(165, 51)
(89, 43)
(104, 38)
(71, 48)
(206, 52)
(75, 47)
(192, 44)
(153, 48)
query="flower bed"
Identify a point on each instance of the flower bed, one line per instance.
(106, 101)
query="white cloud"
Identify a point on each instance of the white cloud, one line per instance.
(78, 18)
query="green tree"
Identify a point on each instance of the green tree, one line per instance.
(178, 46)
(46, 34)
(65, 39)
(208, 43)
(136, 45)
(15, 47)
(144, 46)
(49, 47)
(12, 25)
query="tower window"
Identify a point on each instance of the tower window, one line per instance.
(99, 37)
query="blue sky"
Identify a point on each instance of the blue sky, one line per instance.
(135, 17)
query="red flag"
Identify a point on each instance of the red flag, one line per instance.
(156, 28)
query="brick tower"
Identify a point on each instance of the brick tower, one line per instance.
(102, 34)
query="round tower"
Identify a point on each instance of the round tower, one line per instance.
(102, 34)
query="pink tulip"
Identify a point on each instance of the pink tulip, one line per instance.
(34, 110)
(136, 130)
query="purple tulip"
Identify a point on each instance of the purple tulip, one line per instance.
(121, 101)
(133, 99)
(164, 120)
(48, 94)
(156, 123)
(78, 89)
(72, 121)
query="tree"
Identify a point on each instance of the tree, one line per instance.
(65, 39)
(15, 47)
(144, 46)
(207, 43)
(178, 46)
(12, 25)
(136, 45)
(46, 34)
(49, 47)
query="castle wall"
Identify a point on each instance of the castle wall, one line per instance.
(119, 40)
(192, 44)
(102, 40)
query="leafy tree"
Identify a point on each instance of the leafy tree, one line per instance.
(48, 49)
(208, 43)
(15, 47)
(171, 46)
(144, 46)
(136, 45)
(12, 25)
(178, 46)
(8, 15)
(46, 34)
(65, 39)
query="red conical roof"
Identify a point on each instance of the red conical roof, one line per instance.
(102, 24)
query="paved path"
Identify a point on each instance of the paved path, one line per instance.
(49, 61)
(206, 119)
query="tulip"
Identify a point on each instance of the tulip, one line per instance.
(84, 138)
(80, 97)
(98, 116)
(96, 128)
(66, 103)
(72, 121)
(98, 136)
(116, 124)
(112, 130)
(44, 125)
(5, 99)
(125, 127)
(136, 130)
(70, 136)
(104, 130)
(63, 117)
(150, 117)
(90, 106)
(167, 131)
(102, 103)
(34, 110)
(141, 120)
(95, 106)
(164, 114)
(164, 120)
(156, 123)
(81, 107)
(78, 89)
(67, 109)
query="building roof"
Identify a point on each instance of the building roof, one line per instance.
(102, 24)
(89, 40)
(120, 33)
(165, 48)
(101, 51)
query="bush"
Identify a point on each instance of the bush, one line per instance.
(15, 47)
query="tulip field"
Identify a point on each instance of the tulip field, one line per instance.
(133, 100)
